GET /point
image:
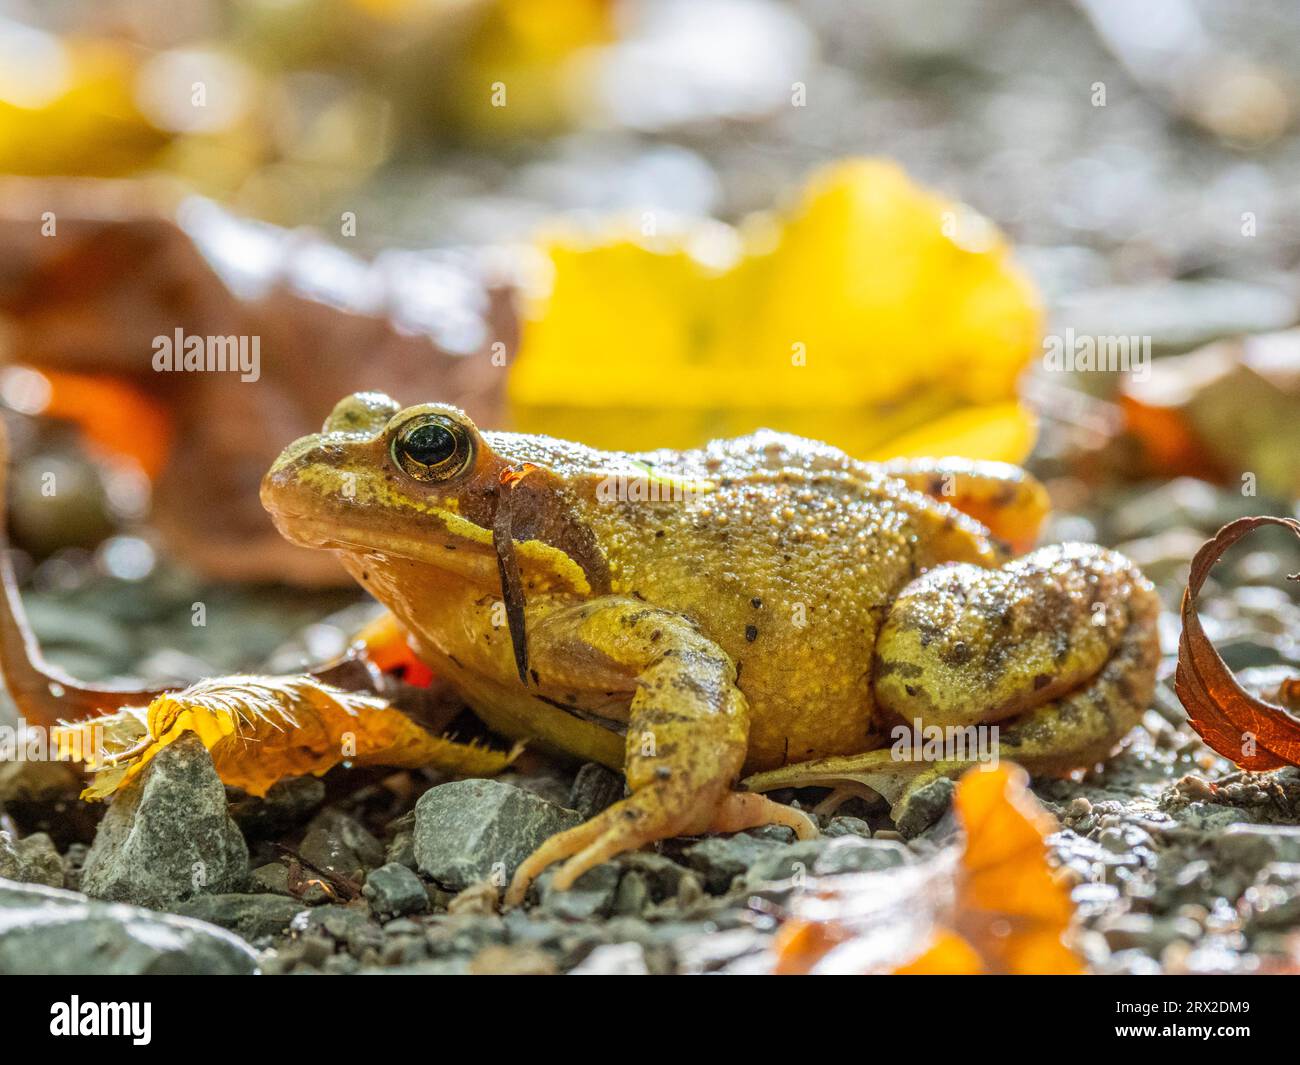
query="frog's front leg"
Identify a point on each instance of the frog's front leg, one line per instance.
(687, 729)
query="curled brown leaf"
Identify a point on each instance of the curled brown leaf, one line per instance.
(1255, 734)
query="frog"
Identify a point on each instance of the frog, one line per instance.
(718, 623)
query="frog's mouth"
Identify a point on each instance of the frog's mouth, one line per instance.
(307, 507)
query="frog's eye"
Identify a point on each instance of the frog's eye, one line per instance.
(431, 447)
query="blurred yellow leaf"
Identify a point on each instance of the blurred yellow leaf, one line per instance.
(992, 432)
(867, 310)
(87, 123)
(517, 75)
(262, 729)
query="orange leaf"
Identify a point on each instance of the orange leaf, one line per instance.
(262, 729)
(997, 907)
(948, 955)
(1254, 734)
(116, 416)
(1010, 906)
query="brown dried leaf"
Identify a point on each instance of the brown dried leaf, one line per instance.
(1254, 734)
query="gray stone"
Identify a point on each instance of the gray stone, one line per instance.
(250, 916)
(595, 788)
(30, 860)
(467, 830)
(925, 806)
(339, 844)
(720, 859)
(591, 895)
(852, 854)
(346, 925)
(47, 931)
(401, 848)
(394, 890)
(272, 878)
(847, 826)
(791, 861)
(1254, 846)
(663, 877)
(167, 835)
(633, 895)
(467, 934)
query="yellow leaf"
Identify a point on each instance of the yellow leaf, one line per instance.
(998, 432)
(88, 123)
(861, 314)
(262, 729)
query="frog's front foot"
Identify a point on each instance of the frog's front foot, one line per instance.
(688, 726)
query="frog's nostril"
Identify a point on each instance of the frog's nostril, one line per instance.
(361, 412)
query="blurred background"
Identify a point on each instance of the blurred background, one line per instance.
(625, 222)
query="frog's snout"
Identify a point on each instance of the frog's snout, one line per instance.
(361, 412)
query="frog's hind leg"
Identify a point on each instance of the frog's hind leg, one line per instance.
(1048, 661)
(1008, 501)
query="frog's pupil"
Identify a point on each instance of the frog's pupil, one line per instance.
(429, 444)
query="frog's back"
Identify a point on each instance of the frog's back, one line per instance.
(789, 561)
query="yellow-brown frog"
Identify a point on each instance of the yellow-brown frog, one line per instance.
(765, 606)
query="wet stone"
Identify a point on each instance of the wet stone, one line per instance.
(167, 834)
(393, 890)
(338, 844)
(851, 854)
(46, 931)
(591, 895)
(847, 826)
(272, 878)
(662, 876)
(925, 806)
(720, 859)
(1254, 846)
(30, 860)
(249, 916)
(470, 830)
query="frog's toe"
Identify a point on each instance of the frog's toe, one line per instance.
(740, 810)
(644, 817)
(560, 846)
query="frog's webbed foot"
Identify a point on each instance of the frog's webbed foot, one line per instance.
(686, 739)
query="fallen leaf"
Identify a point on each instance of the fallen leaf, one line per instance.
(992, 906)
(1221, 411)
(262, 729)
(868, 311)
(1254, 734)
(427, 324)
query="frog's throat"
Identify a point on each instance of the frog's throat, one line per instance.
(543, 566)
